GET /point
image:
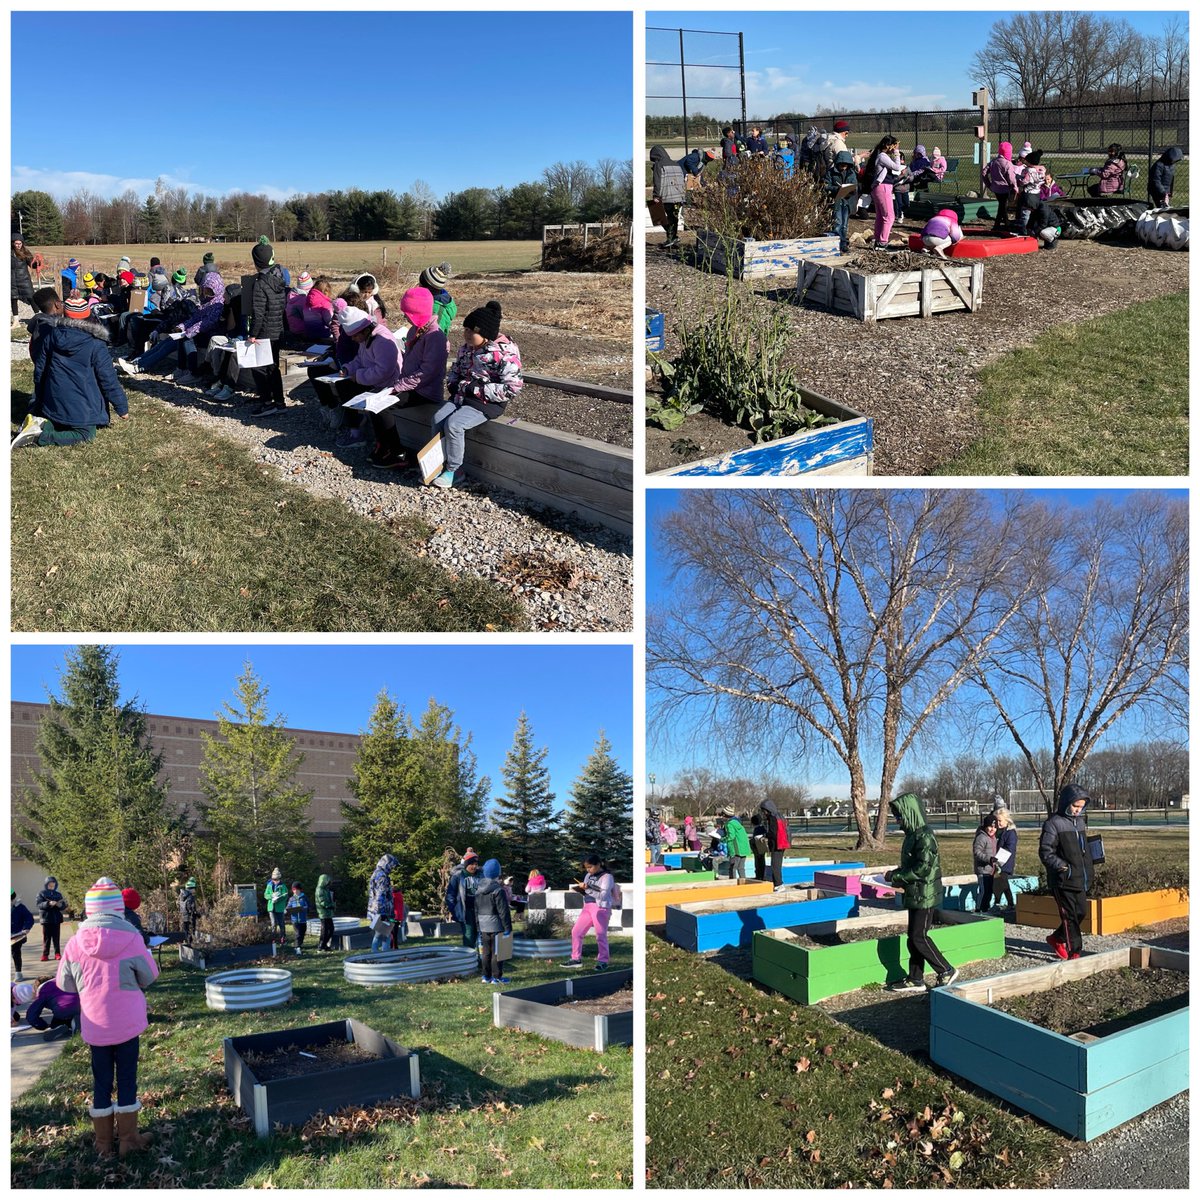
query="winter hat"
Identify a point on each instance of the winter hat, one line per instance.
(103, 897)
(75, 264)
(470, 857)
(841, 125)
(491, 869)
(23, 992)
(210, 257)
(131, 898)
(1025, 148)
(948, 213)
(191, 883)
(89, 280)
(1034, 157)
(304, 282)
(436, 278)
(76, 307)
(124, 259)
(340, 305)
(155, 262)
(262, 254)
(277, 874)
(417, 305)
(1006, 150)
(921, 150)
(296, 885)
(159, 281)
(353, 320)
(126, 277)
(485, 321)
(936, 151)
(843, 158)
(727, 811)
(180, 276)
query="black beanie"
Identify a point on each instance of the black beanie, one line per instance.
(262, 256)
(485, 321)
(210, 257)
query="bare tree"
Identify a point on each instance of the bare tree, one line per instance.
(1101, 637)
(427, 202)
(839, 620)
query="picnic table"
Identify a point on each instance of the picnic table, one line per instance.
(1076, 183)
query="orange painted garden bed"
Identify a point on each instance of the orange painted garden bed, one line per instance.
(1111, 914)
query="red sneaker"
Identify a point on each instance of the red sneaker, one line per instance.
(57, 956)
(1076, 954)
(45, 959)
(1058, 946)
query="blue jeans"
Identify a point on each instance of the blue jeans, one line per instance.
(841, 223)
(159, 352)
(452, 421)
(119, 1062)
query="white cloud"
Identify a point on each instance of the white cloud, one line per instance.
(61, 184)
(772, 91)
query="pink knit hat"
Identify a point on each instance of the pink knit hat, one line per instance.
(304, 281)
(1006, 150)
(417, 305)
(949, 213)
(104, 897)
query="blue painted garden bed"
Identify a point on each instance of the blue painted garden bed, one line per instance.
(964, 897)
(714, 924)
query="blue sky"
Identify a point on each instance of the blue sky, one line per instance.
(458, 100)
(666, 758)
(855, 59)
(569, 692)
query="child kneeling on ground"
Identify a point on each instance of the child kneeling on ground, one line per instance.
(941, 232)
(486, 375)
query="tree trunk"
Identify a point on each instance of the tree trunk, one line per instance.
(858, 801)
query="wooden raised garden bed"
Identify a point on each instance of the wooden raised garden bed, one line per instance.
(846, 448)
(940, 287)
(758, 259)
(719, 889)
(1109, 914)
(1083, 1085)
(541, 1009)
(205, 959)
(292, 1099)
(674, 878)
(682, 860)
(714, 924)
(964, 897)
(808, 974)
(804, 873)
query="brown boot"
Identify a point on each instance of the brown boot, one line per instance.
(102, 1126)
(127, 1131)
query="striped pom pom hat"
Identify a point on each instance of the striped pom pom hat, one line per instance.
(104, 897)
(77, 307)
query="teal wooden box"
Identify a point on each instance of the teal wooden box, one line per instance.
(1082, 1085)
(964, 897)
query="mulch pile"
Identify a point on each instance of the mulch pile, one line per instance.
(608, 251)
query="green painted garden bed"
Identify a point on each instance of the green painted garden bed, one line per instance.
(660, 877)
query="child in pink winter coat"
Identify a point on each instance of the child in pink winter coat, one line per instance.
(941, 232)
(108, 965)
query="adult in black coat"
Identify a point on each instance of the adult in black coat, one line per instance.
(1064, 853)
(51, 904)
(1162, 177)
(21, 284)
(777, 838)
(267, 321)
(74, 387)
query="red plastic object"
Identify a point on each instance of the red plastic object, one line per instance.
(981, 247)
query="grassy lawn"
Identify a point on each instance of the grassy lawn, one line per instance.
(1101, 397)
(746, 1089)
(1167, 848)
(499, 1109)
(157, 525)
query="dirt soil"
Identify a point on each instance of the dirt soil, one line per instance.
(1103, 1003)
(604, 420)
(845, 937)
(928, 415)
(288, 1062)
(601, 1006)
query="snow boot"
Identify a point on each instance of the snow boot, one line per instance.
(102, 1126)
(127, 1131)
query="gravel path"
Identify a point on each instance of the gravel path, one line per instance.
(919, 425)
(570, 576)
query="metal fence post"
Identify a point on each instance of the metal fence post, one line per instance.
(683, 93)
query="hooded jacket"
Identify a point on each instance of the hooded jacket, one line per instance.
(943, 227)
(297, 908)
(776, 827)
(208, 316)
(379, 890)
(460, 895)
(1112, 176)
(487, 378)
(983, 850)
(1006, 839)
(108, 965)
(1000, 175)
(324, 898)
(50, 916)
(735, 835)
(275, 894)
(492, 911)
(58, 1005)
(1162, 174)
(667, 177)
(423, 368)
(316, 314)
(75, 384)
(270, 297)
(920, 869)
(22, 918)
(1063, 846)
(377, 363)
(187, 904)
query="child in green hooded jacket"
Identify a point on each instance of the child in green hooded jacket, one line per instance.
(324, 898)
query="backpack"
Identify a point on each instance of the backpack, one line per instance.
(817, 152)
(669, 183)
(618, 900)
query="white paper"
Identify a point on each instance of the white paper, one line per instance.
(372, 401)
(230, 346)
(328, 378)
(176, 335)
(431, 458)
(1002, 856)
(253, 354)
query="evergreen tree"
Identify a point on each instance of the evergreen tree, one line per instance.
(416, 792)
(151, 223)
(525, 816)
(253, 808)
(599, 816)
(96, 800)
(38, 218)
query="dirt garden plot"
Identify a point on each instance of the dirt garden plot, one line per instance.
(289, 1062)
(928, 415)
(602, 1006)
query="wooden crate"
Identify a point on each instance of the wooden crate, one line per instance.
(964, 897)
(940, 287)
(846, 448)
(808, 975)
(715, 924)
(538, 1010)
(674, 878)
(760, 259)
(1083, 1086)
(720, 889)
(1110, 914)
(292, 1101)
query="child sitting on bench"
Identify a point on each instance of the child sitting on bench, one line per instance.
(434, 279)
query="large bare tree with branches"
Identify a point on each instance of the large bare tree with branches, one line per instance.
(839, 620)
(1102, 635)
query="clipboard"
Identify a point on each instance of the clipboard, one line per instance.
(431, 458)
(847, 189)
(503, 946)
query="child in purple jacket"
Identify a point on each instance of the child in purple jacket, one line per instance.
(108, 966)
(61, 1008)
(941, 232)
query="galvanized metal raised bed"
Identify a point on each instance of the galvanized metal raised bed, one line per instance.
(417, 965)
(539, 1009)
(249, 990)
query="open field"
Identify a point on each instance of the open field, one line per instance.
(499, 1108)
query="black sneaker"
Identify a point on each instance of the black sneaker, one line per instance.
(906, 985)
(601, 967)
(947, 979)
(574, 962)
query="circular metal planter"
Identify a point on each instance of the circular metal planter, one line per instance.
(418, 965)
(527, 947)
(251, 989)
(341, 926)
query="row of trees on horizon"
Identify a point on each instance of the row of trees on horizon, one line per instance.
(567, 192)
(99, 805)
